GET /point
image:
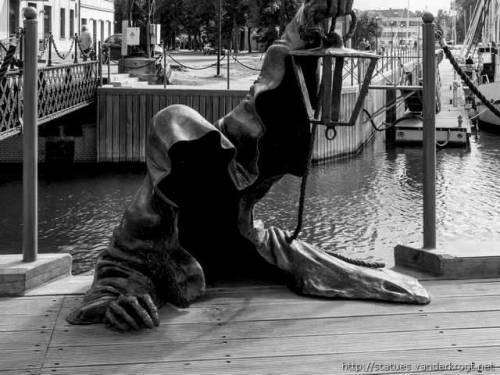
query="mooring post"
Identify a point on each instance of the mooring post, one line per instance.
(30, 137)
(429, 136)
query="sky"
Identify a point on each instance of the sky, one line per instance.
(431, 5)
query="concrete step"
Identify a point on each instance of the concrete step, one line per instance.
(119, 77)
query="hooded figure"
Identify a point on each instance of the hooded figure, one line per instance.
(192, 218)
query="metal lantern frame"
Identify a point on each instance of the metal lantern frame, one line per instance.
(328, 98)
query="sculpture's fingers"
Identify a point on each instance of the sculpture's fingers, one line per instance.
(121, 313)
(141, 313)
(147, 302)
(113, 322)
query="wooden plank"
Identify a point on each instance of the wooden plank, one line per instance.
(21, 360)
(142, 130)
(24, 340)
(122, 126)
(116, 128)
(318, 308)
(101, 128)
(411, 323)
(136, 129)
(33, 306)
(130, 128)
(270, 347)
(319, 364)
(26, 322)
(109, 129)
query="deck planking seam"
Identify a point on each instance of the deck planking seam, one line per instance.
(232, 357)
(218, 339)
(47, 348)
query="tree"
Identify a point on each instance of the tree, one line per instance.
(367, 29)
(271, 16)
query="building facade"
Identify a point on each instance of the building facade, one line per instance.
(62, 18)
(398, 27)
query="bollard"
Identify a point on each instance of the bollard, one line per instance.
(164, 64)
(75, 60)
(49, 60)
(429, 131)
(30, 137)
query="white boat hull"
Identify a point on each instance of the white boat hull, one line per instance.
(492, 93)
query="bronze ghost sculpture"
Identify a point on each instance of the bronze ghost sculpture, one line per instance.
(192, 218)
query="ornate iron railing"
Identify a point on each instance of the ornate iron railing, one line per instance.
(61, 89)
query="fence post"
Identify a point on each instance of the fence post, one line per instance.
(99, 59)
(30, 137)
(429, 131)
(228, 57)
(75, 60)
(164, 64)
(109, 65)
(21, 42)
(49, 60)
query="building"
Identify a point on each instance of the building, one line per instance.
(399, 26)
(63, 18)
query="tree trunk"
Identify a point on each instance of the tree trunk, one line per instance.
(249, 36)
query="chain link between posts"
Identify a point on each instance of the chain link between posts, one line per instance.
(192, 67)
(70, 50)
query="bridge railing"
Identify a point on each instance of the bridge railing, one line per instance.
(61, 89)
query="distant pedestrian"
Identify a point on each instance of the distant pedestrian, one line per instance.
(85, 41)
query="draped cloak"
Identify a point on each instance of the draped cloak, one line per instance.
(192, 218)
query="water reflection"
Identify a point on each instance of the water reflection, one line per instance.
(361, 206)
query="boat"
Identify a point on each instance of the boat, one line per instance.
(485, 74)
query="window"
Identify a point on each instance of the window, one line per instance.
(71, 22)
(84, 21)
(33, 5)
(109, 28)
(63, 23)
(102, 30)
(47, 19)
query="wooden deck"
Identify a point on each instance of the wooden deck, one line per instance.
(263, 330)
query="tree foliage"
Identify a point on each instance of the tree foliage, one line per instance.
(367, 29)
(198, 20)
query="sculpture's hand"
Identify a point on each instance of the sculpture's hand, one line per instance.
(316, 11)
(130, 312)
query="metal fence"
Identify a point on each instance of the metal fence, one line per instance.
(61, 89)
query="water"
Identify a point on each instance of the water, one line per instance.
(361, 207)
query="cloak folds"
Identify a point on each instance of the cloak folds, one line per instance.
(193, 216)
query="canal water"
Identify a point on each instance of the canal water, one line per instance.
(362, 206)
